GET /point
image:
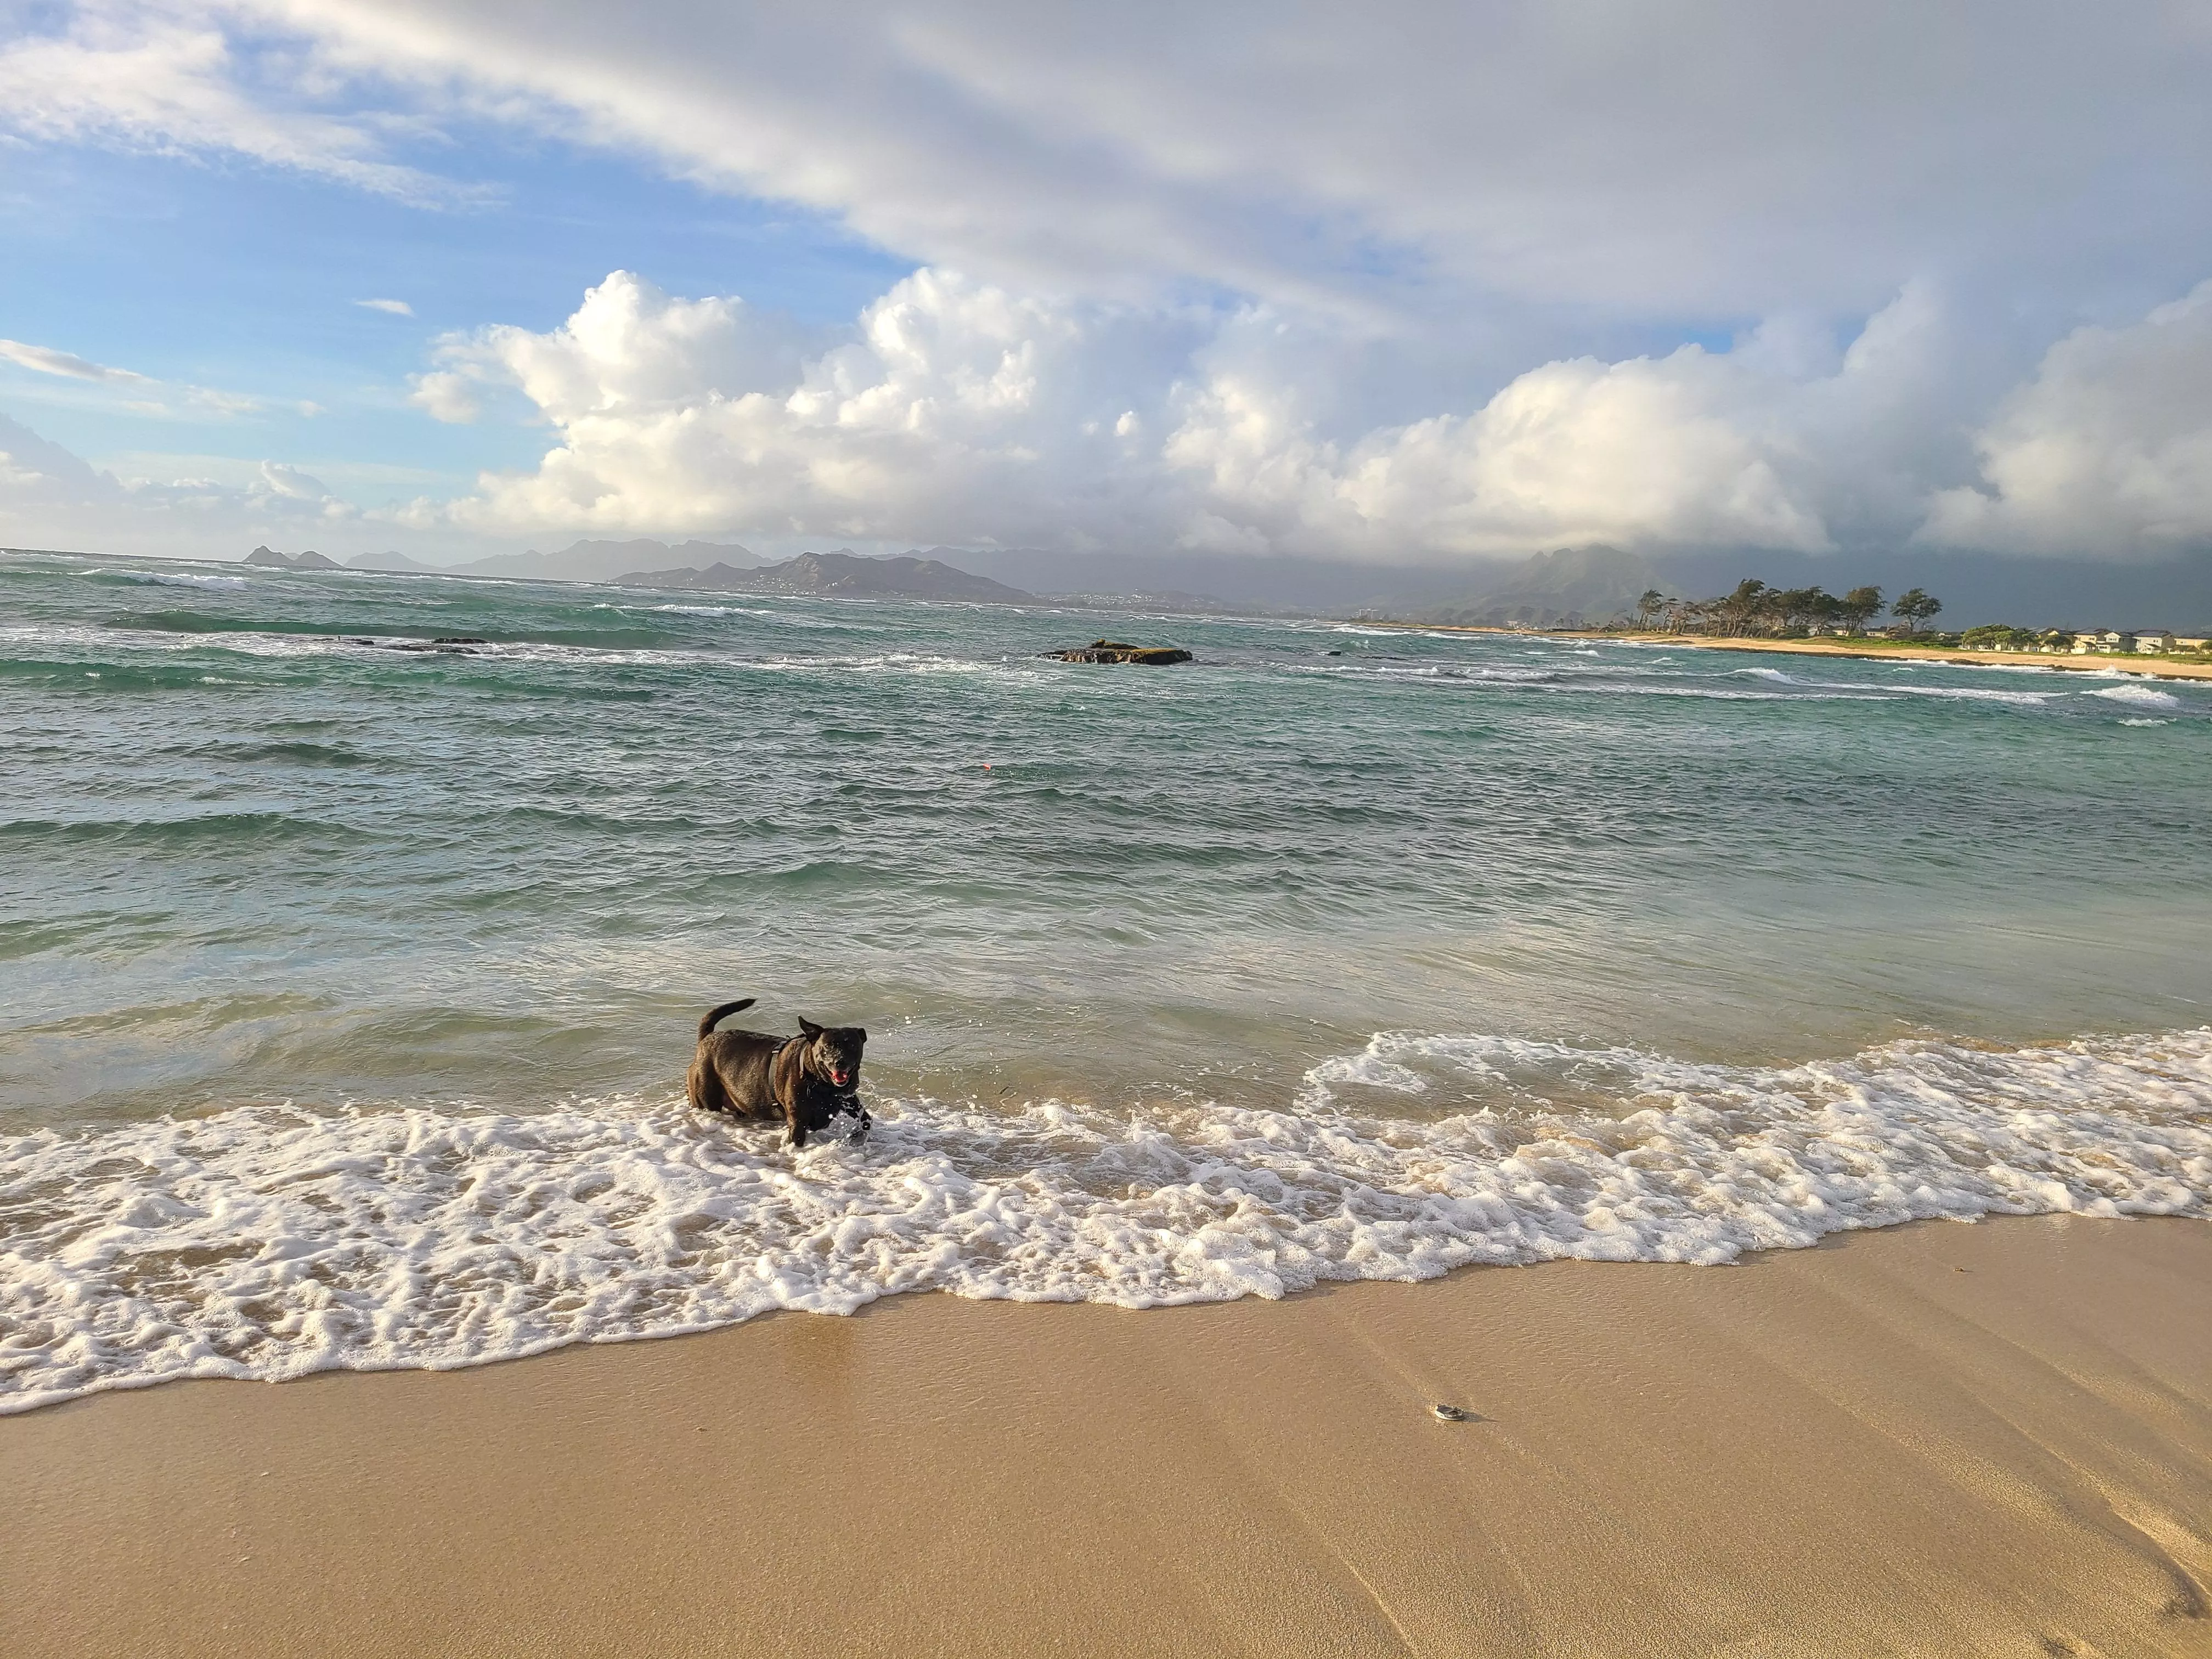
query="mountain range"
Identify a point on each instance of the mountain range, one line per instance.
(1567, 586)
(583, 562)
(1592, 583)
(273, 560)
(842, 574)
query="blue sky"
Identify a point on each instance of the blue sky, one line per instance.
(1430, 284)
(223, 273)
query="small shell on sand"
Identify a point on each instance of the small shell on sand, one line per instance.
(1453, 1413)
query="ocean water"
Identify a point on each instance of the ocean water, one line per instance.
(349, 988)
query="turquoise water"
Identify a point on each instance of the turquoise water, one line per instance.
(270, 880)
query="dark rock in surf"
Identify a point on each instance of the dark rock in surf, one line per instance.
(1152, 656)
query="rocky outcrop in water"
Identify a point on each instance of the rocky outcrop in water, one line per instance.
(1152, 656)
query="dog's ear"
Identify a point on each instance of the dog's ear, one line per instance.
(809, 1027)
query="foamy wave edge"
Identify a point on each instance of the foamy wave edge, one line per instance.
(274, 1243)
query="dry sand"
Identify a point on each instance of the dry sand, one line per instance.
(1942, 1440)
(2152, 666)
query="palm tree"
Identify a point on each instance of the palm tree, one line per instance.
(1647, 604)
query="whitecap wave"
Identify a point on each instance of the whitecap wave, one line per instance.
(2144, 696)
(272, 1241)
(1980, 694)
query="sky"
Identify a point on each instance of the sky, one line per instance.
(1405, 284)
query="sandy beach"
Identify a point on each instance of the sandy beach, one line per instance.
(2157, 666)
(2152, 665)
(1941, 1439)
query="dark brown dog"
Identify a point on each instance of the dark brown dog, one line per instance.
(805, 1080)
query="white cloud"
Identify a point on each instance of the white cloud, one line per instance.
(958, 412)
(2108, 448)
(1406, 284)
(956, 409)
(49, 497)
(1715, 158)
(1681, 449)
(147, 392)
(45, 360)
(1711, 159)
(395, 307)
(448, 395)
(169, 79)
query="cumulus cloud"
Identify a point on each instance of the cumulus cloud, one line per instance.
(35, 472)
(49, 497)
(1686, 448)
(2108, 448)
(1407, 284)
(956, 411)
(447, 394)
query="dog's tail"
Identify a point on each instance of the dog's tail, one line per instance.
(707, 1023)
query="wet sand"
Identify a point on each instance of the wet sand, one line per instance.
(1936, 1440)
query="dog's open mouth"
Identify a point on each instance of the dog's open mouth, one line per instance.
(841, 1076)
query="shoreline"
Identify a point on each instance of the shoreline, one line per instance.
(2151, 666)
(1939, 1439)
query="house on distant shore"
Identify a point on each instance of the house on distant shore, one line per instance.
(2103, 643)
(2154, 640)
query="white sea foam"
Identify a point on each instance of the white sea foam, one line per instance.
(1980, 694)
(1717, 694)
(2138, 721)
(2146, 697)
(1766, 674)
(179, 579)
(271, 1243)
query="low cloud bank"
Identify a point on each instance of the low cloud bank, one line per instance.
(957, 412)
(954, 412)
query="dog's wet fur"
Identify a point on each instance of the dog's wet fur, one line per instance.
(805, 1080)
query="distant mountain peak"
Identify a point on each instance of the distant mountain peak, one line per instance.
(268, 558)
(1566, 585)
(844, 574)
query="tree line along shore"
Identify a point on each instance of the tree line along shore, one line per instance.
(1754, 610)
(1754, 616)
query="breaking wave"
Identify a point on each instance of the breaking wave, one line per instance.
(274, 1241)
